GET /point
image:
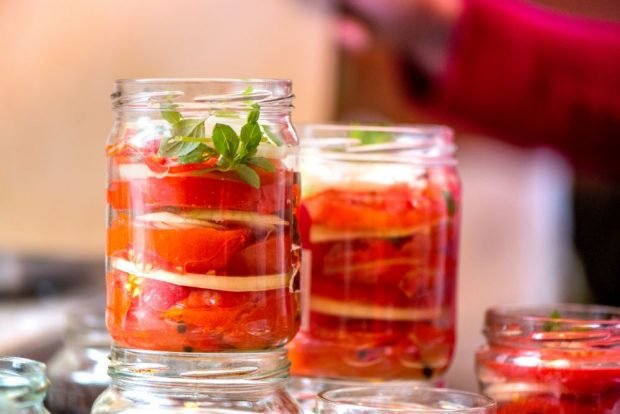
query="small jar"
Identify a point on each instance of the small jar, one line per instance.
(380, 223)
(78, 372)
(203, 249)
(148, 382)
(382, 399)
(552, 359)
(22, 386)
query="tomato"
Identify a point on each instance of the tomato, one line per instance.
(355, 356)
(161, 296)
(372, 295)
(192, 250)
(188, 191)
(532, 404)
(398, 206)
(150, 314)
(269, 256)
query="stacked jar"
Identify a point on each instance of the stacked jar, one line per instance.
(380, 224)
(203, 250)
(562, 359)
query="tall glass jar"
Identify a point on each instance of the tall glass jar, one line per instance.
(147, 382)
(562, 359)
(379, 222)
(22, 386)
(203, 187)
(78, 372)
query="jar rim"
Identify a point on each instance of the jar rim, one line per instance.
(407, 398)
(560, 324)
(24, 377)
(429, 144)
(200, 94)
(244, 369)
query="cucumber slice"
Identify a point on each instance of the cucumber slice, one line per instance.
(167, 220)
(209, 218)
(320, 234)
(208, 281)
(343, 309)
(247, 217)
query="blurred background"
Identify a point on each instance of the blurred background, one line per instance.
(59, 62)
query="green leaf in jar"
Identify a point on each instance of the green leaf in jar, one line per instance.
(170, 114)
(272, 137)
(248, 175)
(187, 142)
(451, 205)
(552, 325)
(263, 163)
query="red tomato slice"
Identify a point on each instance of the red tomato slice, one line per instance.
(269, 256)
(398, 206)
(200, 191)
(192, 250)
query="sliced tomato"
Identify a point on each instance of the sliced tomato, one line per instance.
(161, 296)
(371, 295)
(204, 191)
(357, 356)
(118, 300)
(397, 207)
(268, 256)
(192, 250)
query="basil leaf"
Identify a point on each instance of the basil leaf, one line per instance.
(168, 112)
(450, 203)
(171, 117)
(197, 155)
(251, 135)
(173, 147)
(552, 325)
(221, 136)
(371, 137)
(263, 163)
(189, 127)
(253, 116)
(248, 175)
(272, 137)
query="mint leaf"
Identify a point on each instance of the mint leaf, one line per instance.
(248, 175)
(248, 91)
(263, 163)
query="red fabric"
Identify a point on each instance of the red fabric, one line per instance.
(537, 77)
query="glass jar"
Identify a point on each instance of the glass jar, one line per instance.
(379, 224)
(79, 371)
(203, 251)
(22, 386)
(552, 359)
(149, 382)
(389, 399)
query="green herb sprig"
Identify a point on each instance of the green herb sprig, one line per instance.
(553, 324)
(189, 144)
